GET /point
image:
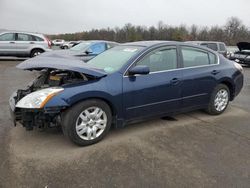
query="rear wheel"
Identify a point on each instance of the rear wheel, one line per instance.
(36, 52)
(87, 122)
(219, 100)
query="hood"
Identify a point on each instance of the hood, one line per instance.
(62, 53)
(42, 62)
(243, 46)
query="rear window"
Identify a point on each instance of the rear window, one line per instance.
(222, 47)
(212, 46)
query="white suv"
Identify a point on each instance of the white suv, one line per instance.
(23, 44)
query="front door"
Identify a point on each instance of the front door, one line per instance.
(156, 93)
(7, 44)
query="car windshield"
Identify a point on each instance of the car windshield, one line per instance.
(83, 46)
(113, 59)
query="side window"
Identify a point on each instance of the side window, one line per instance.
(23, 37)
(7, 37)
(98, 48)
(160, 59)
(194, 57)
(222, 47)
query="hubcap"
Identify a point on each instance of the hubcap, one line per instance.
(221, 100)
(91, 123)
(37, 53)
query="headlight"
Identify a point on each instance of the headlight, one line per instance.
(38, 99)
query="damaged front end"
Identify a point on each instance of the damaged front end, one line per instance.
(28, 106)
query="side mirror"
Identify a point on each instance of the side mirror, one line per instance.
(139, 69)
(88, 51)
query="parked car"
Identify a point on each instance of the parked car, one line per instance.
(67, 45)
(219, 47)
(243, 54)
(128, 83)
(84, 51)
(23, 44)
(57, 42)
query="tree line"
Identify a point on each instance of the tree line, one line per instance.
(232, 32)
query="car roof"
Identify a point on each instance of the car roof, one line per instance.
(155, 43)
(25, 32)
(94, 41)
(146, 43)
(198, 42)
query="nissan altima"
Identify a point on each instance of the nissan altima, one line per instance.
(128, 83)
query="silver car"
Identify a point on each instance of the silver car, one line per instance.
(23, 44)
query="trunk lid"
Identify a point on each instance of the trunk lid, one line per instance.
(243, 46)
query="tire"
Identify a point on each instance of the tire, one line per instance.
(65, 47)
(36, 52)
(80, 126)
(219, 100)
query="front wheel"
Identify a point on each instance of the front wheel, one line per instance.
(219, 100)
(87, 122)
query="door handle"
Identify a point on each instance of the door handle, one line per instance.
(174, 81)
(214, 72)
(32, 43)
(12, 42)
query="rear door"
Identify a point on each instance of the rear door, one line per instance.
(7, 44)
(24, 43)
(199, 75)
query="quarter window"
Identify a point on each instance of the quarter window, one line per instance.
(194, 57)
(7, 37)
(160, 59)
(212, 58)
(35, 38)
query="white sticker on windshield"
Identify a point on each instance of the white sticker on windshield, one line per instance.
(108, 69)
(130, 50)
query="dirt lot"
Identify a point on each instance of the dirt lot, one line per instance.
(191, 150)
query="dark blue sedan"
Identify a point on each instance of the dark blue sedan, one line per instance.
(128, 83)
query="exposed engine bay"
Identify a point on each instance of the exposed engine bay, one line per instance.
(53, 78)
(47, 78)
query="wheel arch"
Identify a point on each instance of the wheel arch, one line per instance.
(36, 48)
(230, 86)
(108, 102)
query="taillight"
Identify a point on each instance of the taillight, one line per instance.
(238, 66)
(48, 41)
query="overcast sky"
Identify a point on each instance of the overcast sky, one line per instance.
(61, 16)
